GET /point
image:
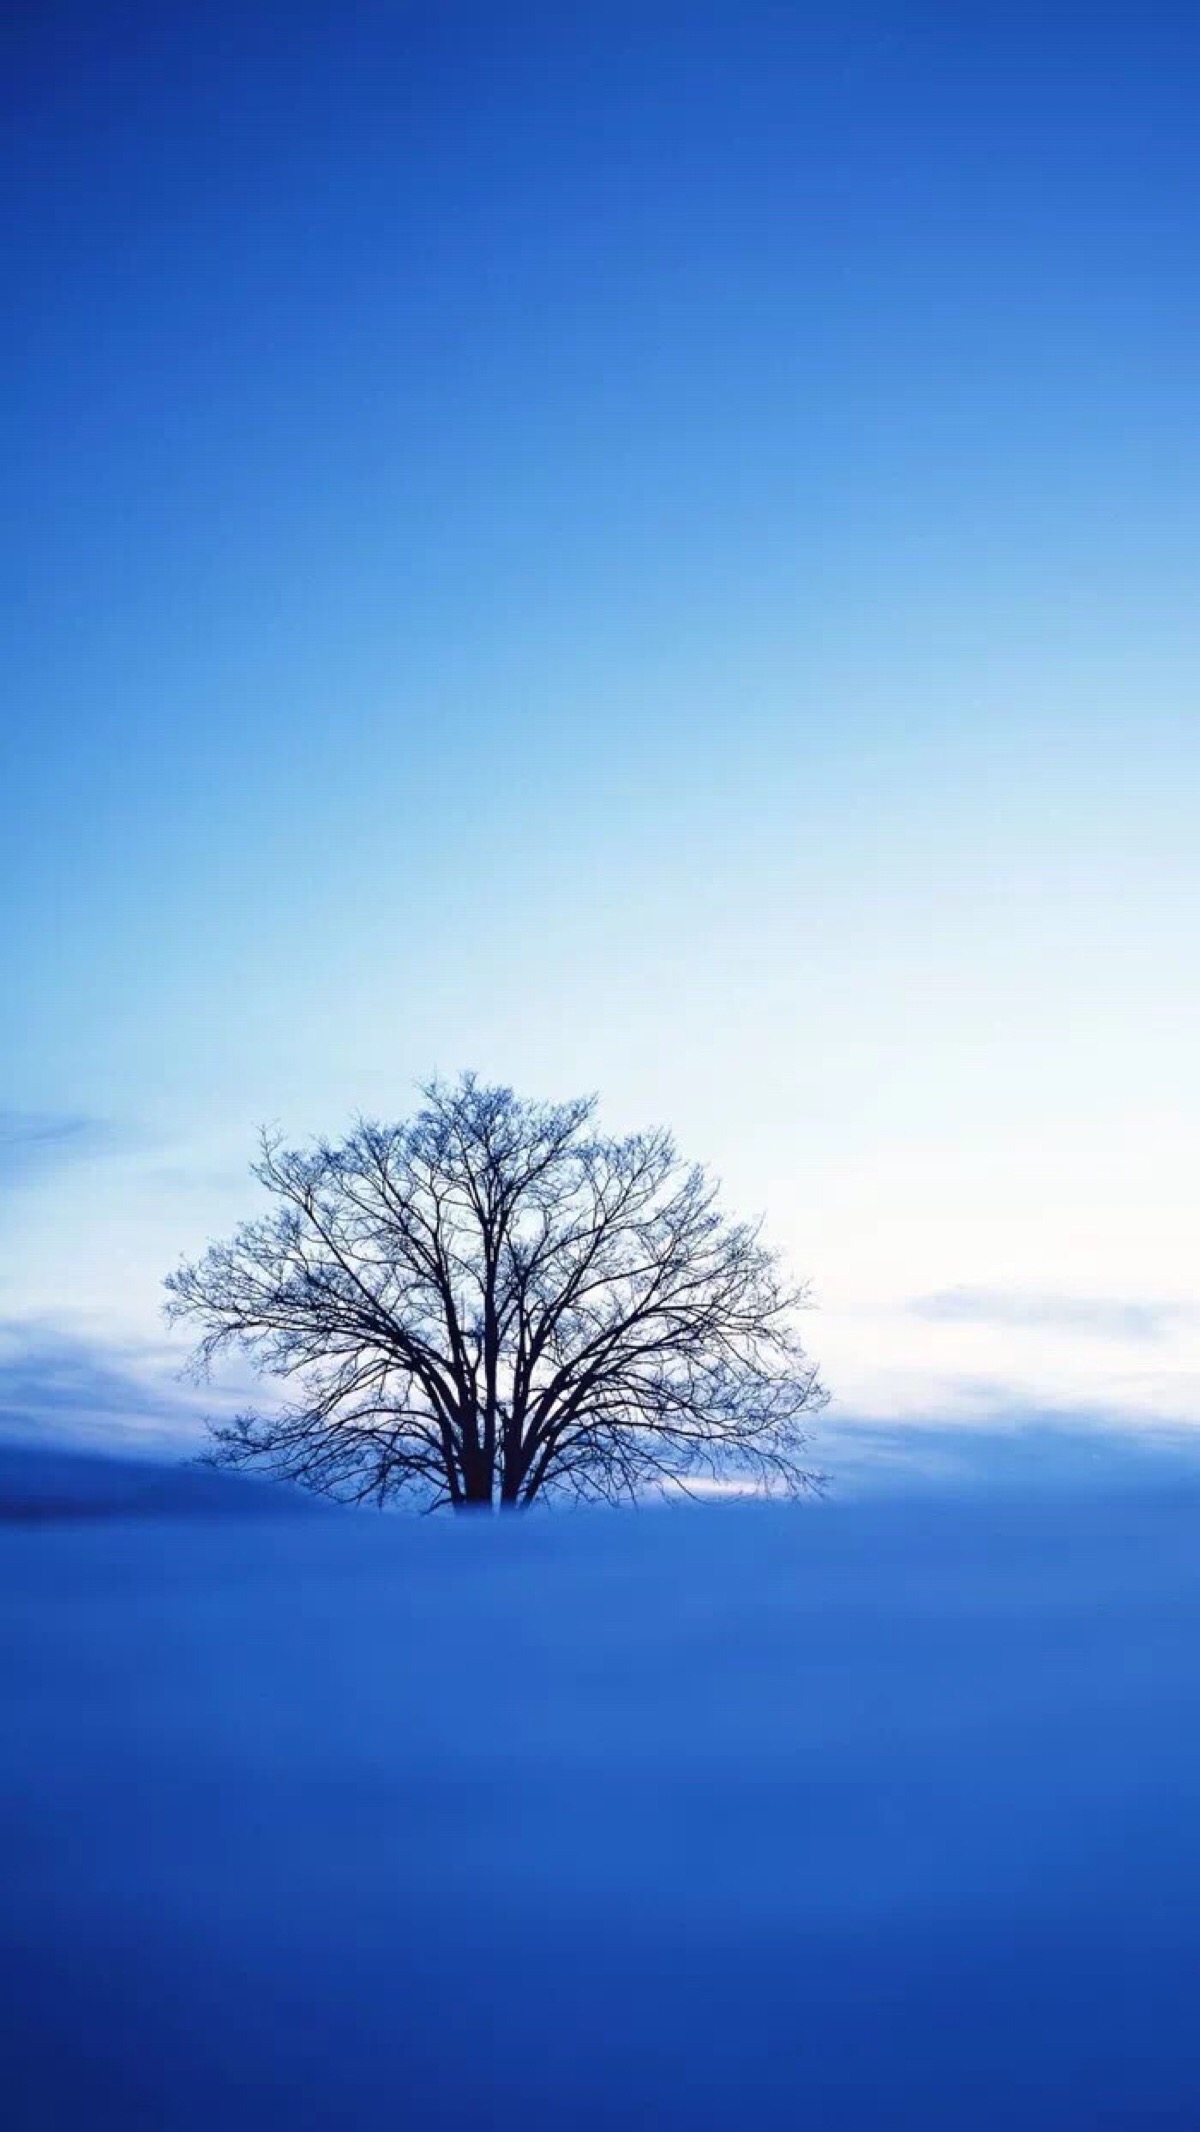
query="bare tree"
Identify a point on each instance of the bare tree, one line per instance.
(493, 1301)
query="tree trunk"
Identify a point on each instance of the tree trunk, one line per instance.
(477, 1493)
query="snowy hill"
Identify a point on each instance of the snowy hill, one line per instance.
(39, 1482)
(860, 1815)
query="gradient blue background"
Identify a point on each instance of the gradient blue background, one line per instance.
(639, 547)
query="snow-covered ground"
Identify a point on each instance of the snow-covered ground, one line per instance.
(874, 1813)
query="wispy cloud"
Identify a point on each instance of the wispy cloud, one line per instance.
(31, 1141)
(1097, 1317)
(72, 1388)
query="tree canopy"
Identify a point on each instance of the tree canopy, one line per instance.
(494, 1301)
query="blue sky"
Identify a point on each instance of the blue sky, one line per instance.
(641, 548)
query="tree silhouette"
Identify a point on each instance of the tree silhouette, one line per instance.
(494, 1301)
